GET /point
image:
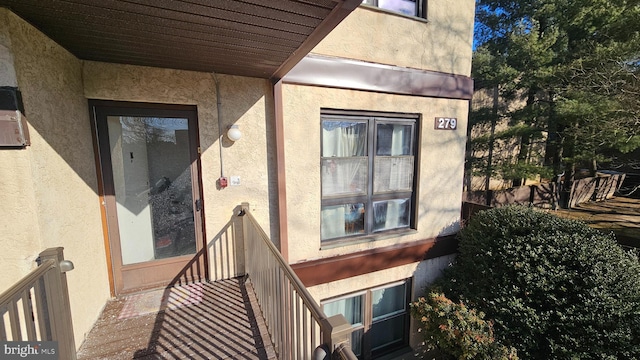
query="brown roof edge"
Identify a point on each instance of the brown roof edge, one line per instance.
(339, 13)
(340, 267)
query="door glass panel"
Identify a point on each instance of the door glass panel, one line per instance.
(351, 308)
(388, 332)
(388, 316)
(152, 180)
(388, 301)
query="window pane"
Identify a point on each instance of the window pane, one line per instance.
(342, 220)
(356, 341)
(344, 138)
(351, 308)
(388, 301)
(391, 214)
(393, 173)
(342, 176)
(393, 139)
(406, 7)
(388, 332)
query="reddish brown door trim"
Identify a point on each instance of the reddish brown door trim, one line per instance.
(281, 170)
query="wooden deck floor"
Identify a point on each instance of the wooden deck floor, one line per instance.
(201, 321)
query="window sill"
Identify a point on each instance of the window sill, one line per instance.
(385, 11)
(332, 244)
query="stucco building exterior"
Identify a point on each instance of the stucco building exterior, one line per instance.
(376, 216)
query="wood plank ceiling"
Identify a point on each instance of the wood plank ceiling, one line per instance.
(258, 38)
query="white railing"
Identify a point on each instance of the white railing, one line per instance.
(297, 325)
(37, 307)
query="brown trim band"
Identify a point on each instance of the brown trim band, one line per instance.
(103, 200)
(340, 73)
(323, 271)
(282, 181)
(339, 13)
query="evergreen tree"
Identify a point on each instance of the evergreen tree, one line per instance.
(574, 66)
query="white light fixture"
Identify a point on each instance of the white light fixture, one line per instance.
(234, 133)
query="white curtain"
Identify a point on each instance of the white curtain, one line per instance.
(343, 139)
(393, 215)
(393, 173)
(394, 163)
(351, 308)
(344, 169)
(333, 222)
(397, 140)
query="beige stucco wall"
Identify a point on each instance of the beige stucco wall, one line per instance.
(246, 102)
(48, 190)
(443, 43)
(18, 219)
(441, 164)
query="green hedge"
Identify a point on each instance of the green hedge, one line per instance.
(554, 288)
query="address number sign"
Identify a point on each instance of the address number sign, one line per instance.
(444, 123)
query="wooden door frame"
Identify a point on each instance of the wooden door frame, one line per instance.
(103, 108)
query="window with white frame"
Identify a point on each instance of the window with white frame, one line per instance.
(379, 317)
(368, 173)
(416, 8)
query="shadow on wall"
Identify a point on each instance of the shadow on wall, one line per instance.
(450, 229)
(425, 274)
(439, 197)
(224, 252)
(443, 44)
(57, 109)
(445, 31)
(226, 249)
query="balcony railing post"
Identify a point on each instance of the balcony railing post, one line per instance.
(336, 330)
(246, 242)
(58, 296)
